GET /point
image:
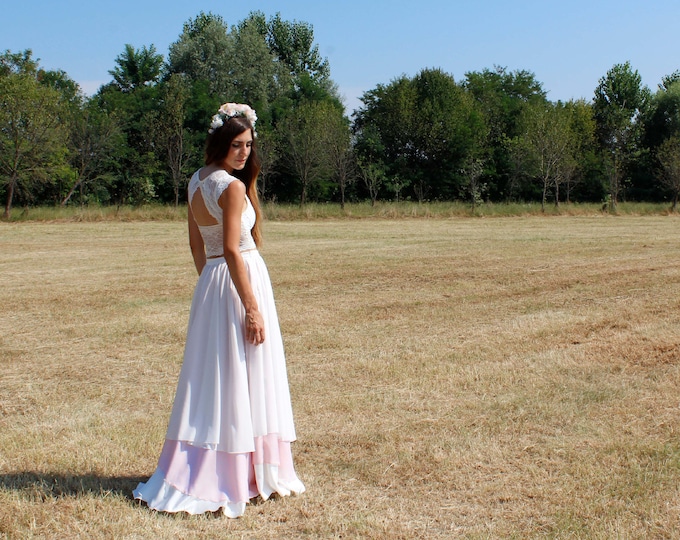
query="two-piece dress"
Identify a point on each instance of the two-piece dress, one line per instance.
(231, 426)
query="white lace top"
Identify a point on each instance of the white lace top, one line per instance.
(212, 186)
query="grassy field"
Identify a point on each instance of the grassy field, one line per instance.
(511, 377)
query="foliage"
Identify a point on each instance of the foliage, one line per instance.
(136, 68)
(551, 145)
(203, 52)
(662, 119)
(305, 136)
(31, 128)
(293, 45)
(169, 133)
(341, 156)
(493, 136)
(501, 97)
(20, 63)
(94, 138)
(373, 176)
(136, 170)
(619, 102)
(669, 159)
(423, 129)
(584, 179)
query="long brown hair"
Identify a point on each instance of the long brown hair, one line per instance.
(216, 149)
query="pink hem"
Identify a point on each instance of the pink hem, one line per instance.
(223, 478)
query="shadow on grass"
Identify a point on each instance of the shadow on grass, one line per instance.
(43, 486)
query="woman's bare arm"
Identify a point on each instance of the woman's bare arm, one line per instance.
(232, 202)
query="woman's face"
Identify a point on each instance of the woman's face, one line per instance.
(238, 152)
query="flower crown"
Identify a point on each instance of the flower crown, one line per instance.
(231, 110)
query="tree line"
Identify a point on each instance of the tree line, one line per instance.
(492, 136)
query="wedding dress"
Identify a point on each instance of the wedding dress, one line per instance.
(231, 427)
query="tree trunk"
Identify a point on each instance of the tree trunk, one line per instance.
(545, 193)
(303, 194)
(614, 188)
(10, 196)
(567, 197)
(70, 194)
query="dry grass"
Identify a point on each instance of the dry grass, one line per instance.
(451, 378)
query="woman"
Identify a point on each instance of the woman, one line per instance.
(231, 426)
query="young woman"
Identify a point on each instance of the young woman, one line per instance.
(231, 426)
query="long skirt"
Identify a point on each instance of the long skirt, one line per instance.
(229, 434)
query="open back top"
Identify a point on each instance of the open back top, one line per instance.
(212, 187)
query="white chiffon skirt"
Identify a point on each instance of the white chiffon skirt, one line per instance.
(229, 435)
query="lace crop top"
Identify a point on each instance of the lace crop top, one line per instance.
(212, 186)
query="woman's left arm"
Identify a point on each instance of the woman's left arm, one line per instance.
(232, 202)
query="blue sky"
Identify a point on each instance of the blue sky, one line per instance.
(567, 45)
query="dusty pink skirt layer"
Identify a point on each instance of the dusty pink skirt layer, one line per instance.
(196, 480)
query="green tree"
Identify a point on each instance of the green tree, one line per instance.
(620, 100)
(272, 64)
(552, 146)
(384, 133)
(423, 129)
(94, 140)
(501, 96)
(62, 83)
(293, 45)
(663, 115)
(138, 165)
(304, 134)
(582, 124)
(21, 63)
(31, 127)
(260, 79)
(137, 67)
(204, 52)
(341, 155)
(369, 153)
(134, 100)
(518, 162)
(268, 151)
(668, 80)
(669, 158)
(661, 134)
(449, 132)
(168, 131)
(373, 176)
(472, 171)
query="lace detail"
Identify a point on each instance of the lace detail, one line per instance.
(212, 187)
(247, 223)
(212, 238)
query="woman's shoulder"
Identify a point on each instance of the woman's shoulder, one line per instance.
(194, 182)
(217, 182)
(218, 175)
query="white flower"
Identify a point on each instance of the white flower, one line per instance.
(230, 110)
(216, 122)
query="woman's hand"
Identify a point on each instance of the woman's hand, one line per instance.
(254, 327)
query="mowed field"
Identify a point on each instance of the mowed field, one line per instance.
(451, 378)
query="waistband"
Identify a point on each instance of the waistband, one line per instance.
(220, 259)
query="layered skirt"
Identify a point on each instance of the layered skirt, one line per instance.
(229, 435)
